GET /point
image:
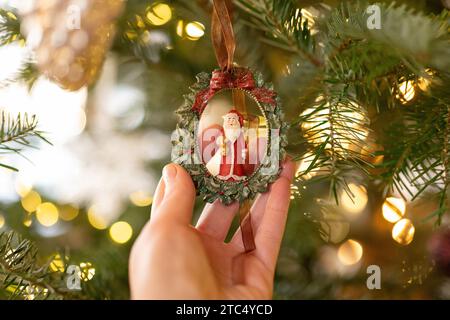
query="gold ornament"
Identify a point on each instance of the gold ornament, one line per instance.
(70, 37)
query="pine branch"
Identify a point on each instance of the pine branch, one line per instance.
(283, 25)
(16, 133)
(9, 27)
(336, 130)
(23, 277)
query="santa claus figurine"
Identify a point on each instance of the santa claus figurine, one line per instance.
(228, 163)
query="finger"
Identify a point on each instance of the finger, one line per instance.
(270, 232)
(257, 212)
(158, 196)
(177, 203)
(216, 219)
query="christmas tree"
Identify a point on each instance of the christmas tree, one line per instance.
(87, 101)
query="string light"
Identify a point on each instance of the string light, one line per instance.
(47, 214)
(350, 252)
(393, 209)
(27, 220)
(424, 82)
(2, 221)
(356, 202)
(141, 198)
(406, 91)
(96, 220)
(68, 212)
(57, 264)
(195, 30)
(159, 14)
(87, 271)
(317, 127)
(121, 232)
(403, 232)
(180, 28)
(31, 201)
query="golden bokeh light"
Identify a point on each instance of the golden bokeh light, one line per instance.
(87, 271)
(2, 221)
(406, 91)
(47, 214)
(159, 14)
(27, 220)
(31, 201)
(141, 198)
(68, 212)
(403, 232)
(180, 28)
(424, 82)
(356, 202)
(303, 165)
(57, 264)
(393, 209)
(121, 232)
(95, 219)
(195, 30)
(350, 252)
(317, 127)
(334, 226)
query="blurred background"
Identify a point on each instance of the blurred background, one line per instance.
(89, 193)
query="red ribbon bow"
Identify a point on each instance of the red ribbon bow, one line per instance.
(239, 78)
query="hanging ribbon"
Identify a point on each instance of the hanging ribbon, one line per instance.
(228, 77)
(222, 34)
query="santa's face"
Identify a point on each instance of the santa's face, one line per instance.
(231, 126)
(231, 121)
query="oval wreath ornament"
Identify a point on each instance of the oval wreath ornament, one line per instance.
(186, 149)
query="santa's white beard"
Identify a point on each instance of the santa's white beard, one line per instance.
(232, 133)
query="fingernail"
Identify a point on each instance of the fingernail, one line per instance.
(169, 174)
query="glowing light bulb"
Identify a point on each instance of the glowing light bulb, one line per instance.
(31, 201)
(350, 252)
(393, 209)
(87, 271)
(47, 214)
(121, 232)
(194, 30)
(355, 203)
(68, 212)
(406, 91)
(95, 219)
(159, 14)
(403, 232)
(57, 264)
(2, 221)
(141, 198)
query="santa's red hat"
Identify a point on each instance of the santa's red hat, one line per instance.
(235, 112)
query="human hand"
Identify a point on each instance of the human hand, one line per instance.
(171, 259)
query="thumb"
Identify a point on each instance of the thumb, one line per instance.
(177, 203)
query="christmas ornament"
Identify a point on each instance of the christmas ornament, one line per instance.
(70, 37)
(231, 134)
(439, 248)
